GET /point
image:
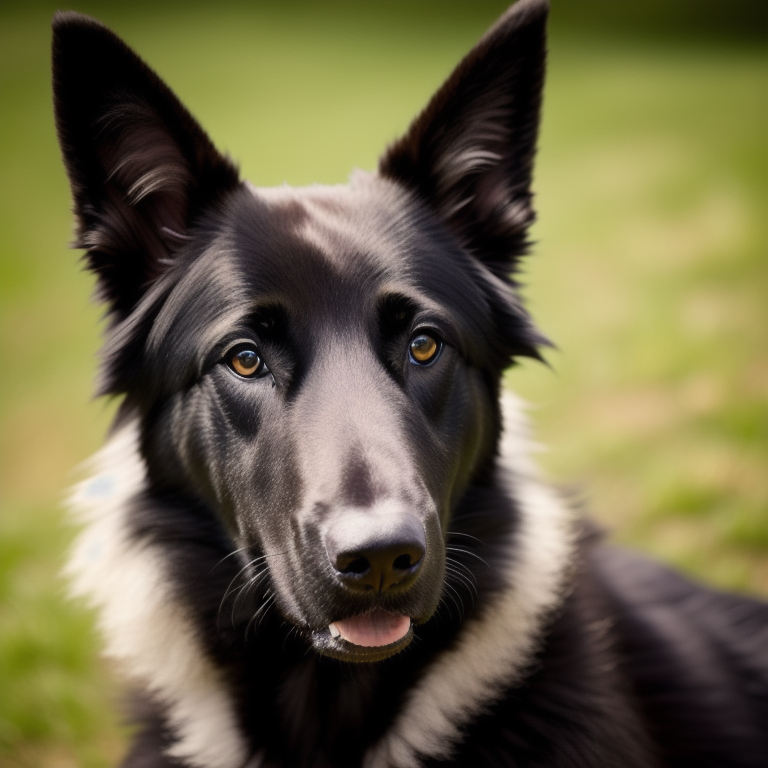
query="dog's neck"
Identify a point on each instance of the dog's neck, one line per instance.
(207, 705)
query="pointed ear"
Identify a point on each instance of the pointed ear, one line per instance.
(139, 165)
(470, 152)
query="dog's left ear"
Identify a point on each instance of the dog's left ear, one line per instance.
(469, 154)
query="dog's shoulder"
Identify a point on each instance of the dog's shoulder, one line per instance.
(640, 667)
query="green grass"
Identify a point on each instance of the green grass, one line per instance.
(650, 274)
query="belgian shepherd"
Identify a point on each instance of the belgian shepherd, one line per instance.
(315, 537)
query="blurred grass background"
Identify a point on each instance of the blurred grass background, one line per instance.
(650, 274)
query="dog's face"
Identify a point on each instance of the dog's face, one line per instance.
(318, 368)
(321, 388)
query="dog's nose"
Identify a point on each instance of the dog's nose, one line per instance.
(376, 554)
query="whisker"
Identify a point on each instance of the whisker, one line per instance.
(466, 535)
(249, 586)
(463, 567)
(229, 590)
(461, 583)
(464, 551)
(251, 563)
(463, 579)
(261, 611)
(454, 597)
(226, 557)
(444, 601)
(272, 601)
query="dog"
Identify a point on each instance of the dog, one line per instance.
(315, 536)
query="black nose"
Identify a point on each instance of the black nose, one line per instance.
(378, 552)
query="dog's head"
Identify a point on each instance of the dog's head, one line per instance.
(318, 368)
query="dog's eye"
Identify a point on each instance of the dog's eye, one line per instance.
(245, 361)
(424, 349)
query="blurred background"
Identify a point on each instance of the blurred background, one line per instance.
(650, 273)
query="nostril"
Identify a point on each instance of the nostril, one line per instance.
(358, 566)
(405, 562)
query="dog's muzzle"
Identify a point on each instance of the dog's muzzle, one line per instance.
(376, 554)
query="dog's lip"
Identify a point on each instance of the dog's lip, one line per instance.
(330, 640)
(372, 630)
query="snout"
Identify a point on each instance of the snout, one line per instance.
(376, 551)
(377, 560)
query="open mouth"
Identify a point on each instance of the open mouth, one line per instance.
(371, 637)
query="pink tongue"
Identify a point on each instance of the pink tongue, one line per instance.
(374, 629)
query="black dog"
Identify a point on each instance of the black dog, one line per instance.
(308, 468)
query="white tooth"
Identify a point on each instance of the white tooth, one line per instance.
(334, 630)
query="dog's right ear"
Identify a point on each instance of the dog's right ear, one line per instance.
(140, 166)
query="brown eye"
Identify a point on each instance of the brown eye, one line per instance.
(424, 349)
(244, 360)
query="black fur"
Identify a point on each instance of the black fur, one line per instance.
(347, 477)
